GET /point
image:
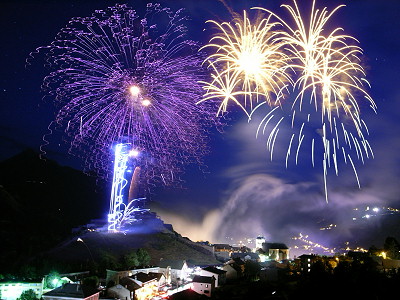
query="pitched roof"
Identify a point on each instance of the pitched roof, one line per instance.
(187, 295)
(307, 256)
(238, 261)
(243, 255)
(174, 264)
(72, 290)
(117, 287)
(129, 283)
(143, 277)
(234, 267)
(214, 270)
(203, 279)
(275, 246)
(222, 246)
(156, 275)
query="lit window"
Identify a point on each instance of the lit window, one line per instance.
(206, 285)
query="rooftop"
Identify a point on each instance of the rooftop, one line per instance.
(203, 279)
(72, 290)
(214, 270)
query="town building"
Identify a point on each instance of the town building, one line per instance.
(187, 294)
(203, 285)
(246, 256)
(72, 291)
(222, 251)
(218, 274)
(177, 271)
(305, 262)
(276, 251)
(232, 273)
(11, 290)
(260, 240)
(140, 286)
(234, 268)
(115, 276)
(121, 292)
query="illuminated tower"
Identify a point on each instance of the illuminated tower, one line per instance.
(260, 240)
(125, 207)
(118, 184)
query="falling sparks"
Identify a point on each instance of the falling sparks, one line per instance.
(305, 76)
(328, 81)
(247, 65)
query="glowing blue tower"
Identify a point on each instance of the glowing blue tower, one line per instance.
(118, 185)
(124, 210)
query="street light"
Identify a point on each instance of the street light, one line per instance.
(80, 240)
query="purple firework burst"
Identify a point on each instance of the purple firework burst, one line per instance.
(121, 78)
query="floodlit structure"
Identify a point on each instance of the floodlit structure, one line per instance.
(122, 209)
(260, 240)
(11, 290)
(124, 78)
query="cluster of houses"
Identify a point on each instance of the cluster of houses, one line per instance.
(263, 251)
(148, 283)
(169, 280)
(178, 279)
(166, 280)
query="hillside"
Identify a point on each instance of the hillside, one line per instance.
(42, 201)
(97, 247)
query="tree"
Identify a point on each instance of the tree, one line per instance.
(251, 270)
(108, 260)
(319, 270)
(52, 280)
(392, 248)
(28, 295)
(143, 257)
(131, 260)
(373, 250)
(245, 249)
(28, 272)
(92, 281)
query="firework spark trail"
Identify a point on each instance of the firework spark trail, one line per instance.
(121, 78)
(247, 65)
(310, 245)
(326, 67)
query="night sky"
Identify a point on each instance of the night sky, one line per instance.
(242, 193)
